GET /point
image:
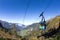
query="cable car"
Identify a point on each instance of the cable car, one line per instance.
(42, 24)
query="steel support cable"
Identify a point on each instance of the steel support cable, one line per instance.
(49, 3)
(26, 11)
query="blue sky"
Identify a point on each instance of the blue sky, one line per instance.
(14, 10)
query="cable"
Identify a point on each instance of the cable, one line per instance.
(49, 3)
(26, 11)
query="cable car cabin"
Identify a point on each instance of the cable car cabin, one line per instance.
(42, 25)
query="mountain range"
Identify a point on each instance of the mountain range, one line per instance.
(31, 32)
(7, 25)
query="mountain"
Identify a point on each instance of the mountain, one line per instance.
(53, 26)
(19, 27)
(54, 23)
(52, 30)
(9, 34)
(7, 25)
(31, 32)
(8, 31)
